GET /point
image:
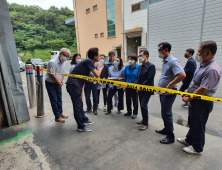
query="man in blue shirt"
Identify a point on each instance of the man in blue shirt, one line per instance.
(130, 74)
(145, 76)
(172, 73)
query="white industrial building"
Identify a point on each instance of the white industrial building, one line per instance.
(183, 23)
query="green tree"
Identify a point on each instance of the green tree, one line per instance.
(56, 44)
(31, 45)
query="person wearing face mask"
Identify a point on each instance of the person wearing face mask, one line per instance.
(130, 74)
(116, 73)
(172, 74)
(145, 76)
(75, 60)
(104, 75)
(205, 82)
(75, 87)
(189, 69)
(110, 63)
(54, 82)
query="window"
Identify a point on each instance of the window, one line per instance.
(102, 34)
(94, 7)
(96, 35)
(143, 4)
(88, 10)
(111, 26)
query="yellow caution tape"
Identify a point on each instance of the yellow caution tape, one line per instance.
(140, 87)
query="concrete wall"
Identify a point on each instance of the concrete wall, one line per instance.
(95, 22)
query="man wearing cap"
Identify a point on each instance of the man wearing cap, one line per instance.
(54, 82)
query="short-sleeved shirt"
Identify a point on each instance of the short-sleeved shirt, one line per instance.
(206, 76)
(71, 68)
(113, 73)
(56, 66)
(130, 73)
(82, 68)
(170, 69)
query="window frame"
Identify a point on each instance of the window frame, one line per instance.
(96, 36)
(112, 19)
(88, 11)
(140, 5)
(96, 7)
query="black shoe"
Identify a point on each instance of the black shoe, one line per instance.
(95, 112)
(85, 129)
(87, 110)
(108, 112)
(161, 132)
(127, 114)
(167, 140)
(118, 112)
(134, 116)
(88, 122)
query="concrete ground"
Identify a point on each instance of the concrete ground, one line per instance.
(114, 143)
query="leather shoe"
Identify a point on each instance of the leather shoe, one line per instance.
(140, 122)
(127, 114)
(108, 112)
(144, 127)
(134, 116)
(87, 110)
(167, 140)
(161, 132)
(64, 116)
(60, 120)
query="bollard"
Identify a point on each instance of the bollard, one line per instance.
(39, 90)
(30, 84)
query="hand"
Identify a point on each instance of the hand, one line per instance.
(62, 82)
(124, 89)
(186, 99)
(90, 81)
(100, 84)
(60, 85)
(117, 79)
(81, 96)
(170, 86)
(101, 66)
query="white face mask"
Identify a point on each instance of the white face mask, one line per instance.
(78, 61)
(131, 62)
(199, 58)
(141, 59)
(63, 59)
(161, 55)
(101, 61)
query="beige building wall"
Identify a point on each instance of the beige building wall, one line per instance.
(95, 22)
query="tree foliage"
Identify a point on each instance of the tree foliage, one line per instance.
(34, 25)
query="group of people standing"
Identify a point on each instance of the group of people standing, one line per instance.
(204, 81)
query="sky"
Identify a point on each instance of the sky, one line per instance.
(45, 4)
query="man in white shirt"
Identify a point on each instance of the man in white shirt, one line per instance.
(54, 82)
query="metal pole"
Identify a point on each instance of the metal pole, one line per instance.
(30, 84)
(39, 90)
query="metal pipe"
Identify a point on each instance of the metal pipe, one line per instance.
(30, 85)
(39, 90)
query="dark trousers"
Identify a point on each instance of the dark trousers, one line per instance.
(166, 112)
(184, 86)
(91, 87)
(79, 115)
(55, 97)
(144, 108)
(104, 95)
(110, 96)
(131, 94)
(198, 115)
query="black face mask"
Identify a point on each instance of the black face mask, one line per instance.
(186, 56)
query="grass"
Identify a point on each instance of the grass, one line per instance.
(44, 54)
